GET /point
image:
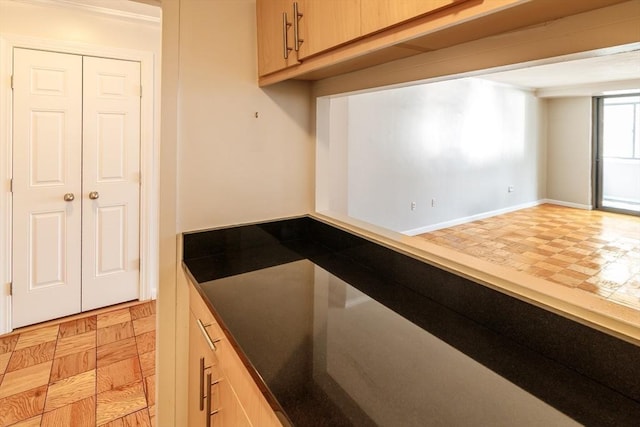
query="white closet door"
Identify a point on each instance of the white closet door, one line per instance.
(47, 127)
(111, 182)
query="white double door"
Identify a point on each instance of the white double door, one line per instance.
(76, 184)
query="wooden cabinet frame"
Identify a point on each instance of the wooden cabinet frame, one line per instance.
(237, 400)
(460, 22)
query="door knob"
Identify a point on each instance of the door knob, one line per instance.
(94, 195)
(69, 197)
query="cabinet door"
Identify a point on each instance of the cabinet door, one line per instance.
(225, 406)
(198, 349)
(249, 396)
(231, 413)
(380, 14)
(327, 23)
(273, 33)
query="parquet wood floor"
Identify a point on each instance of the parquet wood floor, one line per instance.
(595, 251)
(97, 369)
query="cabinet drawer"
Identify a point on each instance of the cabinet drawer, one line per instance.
(210, 335)
(199, 308)
(202, 363)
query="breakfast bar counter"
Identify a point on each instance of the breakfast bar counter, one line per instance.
(339, 331)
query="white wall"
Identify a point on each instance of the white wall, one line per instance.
(332, 154)
(234, 167)
(46, 20)
(339, 155)
(569, 150)
(460, 142)
(173, 300)
(229, 166)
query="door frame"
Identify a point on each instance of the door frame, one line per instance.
(149, 158)
(597, 150)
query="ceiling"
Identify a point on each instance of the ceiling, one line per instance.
(147, 10)
(595, 70)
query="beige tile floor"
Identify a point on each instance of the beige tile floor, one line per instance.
(95, 369)
(594, 251)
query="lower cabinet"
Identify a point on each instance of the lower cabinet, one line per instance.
(231, 412)
(212, 400)
(222, 392)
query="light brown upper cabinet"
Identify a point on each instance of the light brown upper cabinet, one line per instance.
(289, 31)
(324, 24)
(275, 36)
(380, 14)
(326, 38)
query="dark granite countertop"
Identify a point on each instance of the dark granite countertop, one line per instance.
(340, 336)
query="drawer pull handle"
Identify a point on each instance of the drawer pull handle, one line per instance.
(210, 342)
(285, 37)
(202, 395)
(297, 41)
(209, 401)
(209, 411)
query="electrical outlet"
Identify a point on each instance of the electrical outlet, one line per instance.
(511, 189)
(413, 206)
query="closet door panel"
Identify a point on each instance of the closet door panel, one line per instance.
(111, 182)
(47, 144)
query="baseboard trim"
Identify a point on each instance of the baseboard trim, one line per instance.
(567, 204)
(463, 220)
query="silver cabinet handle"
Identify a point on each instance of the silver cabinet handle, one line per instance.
(209, 394)
(94, 195)
(211, 383)
(209, 401)
(297, 41)
(69, 197)
(210, 342)
(285, 37)
(202, 396)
